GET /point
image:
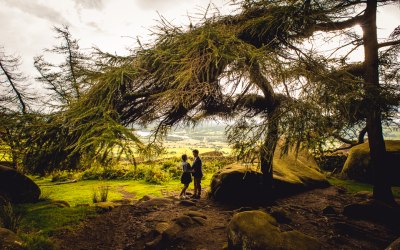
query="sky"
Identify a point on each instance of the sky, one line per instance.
(111, 25)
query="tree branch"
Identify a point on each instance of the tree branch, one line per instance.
(10, 80)
(334, 26)
(391, 43)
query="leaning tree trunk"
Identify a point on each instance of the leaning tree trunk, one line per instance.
(382, 186)
(268, 149)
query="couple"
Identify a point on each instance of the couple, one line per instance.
(188, 171)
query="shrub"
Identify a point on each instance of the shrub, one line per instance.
(103, 193)
(60, 176)
(168, 164)
(100, 194)
(8, 218)
(155, 175)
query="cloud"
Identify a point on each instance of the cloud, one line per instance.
(160, 4)
(89, 4)
(38, 10)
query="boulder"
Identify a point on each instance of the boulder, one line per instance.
(17, 187)
(374, 210)
(395, 245)
(9, 240)
(187, 203)
(184, 221)
(236, 182)
(258, 230)
(358, 166)
(156, 202)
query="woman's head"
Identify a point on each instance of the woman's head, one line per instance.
(184, 157)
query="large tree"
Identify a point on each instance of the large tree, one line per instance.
(253, 63)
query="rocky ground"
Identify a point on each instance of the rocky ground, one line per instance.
(168, 223)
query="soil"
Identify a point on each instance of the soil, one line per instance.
(131, 226)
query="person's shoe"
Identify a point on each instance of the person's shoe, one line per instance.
(197, 197)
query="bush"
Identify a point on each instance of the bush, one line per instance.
(100, 194)
(155, 175)
(330, 162)
(214, 166)
(8, 218)
(61, 176)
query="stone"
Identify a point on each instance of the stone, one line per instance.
(196, 214)
(363, 195)
(187, 203)
(9, 240)
(259, 230)
(395, 245)
(161, 227)
(17, 187)
(358, 166)
(241, 184)
(156, 202)
(172, 233)
(374, 211)
(184, 221)
(328, 210)
(199, 220)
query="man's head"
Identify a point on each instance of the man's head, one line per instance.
(195, 152)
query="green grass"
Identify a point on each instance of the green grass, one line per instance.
(45, 218)
(81, 192)
(355, 186)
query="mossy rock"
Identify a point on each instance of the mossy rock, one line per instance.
(240, 184)
(258, 230)
(358, 166)
(106, 206)
(17, 187)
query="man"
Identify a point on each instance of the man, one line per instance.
(197, 174)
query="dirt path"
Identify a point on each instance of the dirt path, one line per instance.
(129, 226)
(125, 194)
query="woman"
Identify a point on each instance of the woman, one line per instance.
(186, 177)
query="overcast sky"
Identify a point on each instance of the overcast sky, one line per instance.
(111, 25)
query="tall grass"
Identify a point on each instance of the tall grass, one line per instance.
(100, 194)
(8, 218)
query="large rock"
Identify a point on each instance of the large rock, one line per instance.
(9, 240)
(17, 187)
(358, 166)
(236, 182)
(258, 230)
(395, 245)
(375, 211)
